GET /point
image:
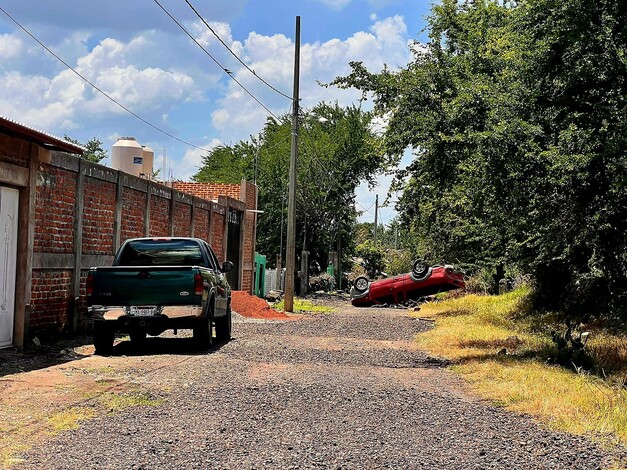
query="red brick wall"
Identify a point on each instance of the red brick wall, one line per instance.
(159, 217)
(203, 190)
(182, 219)
(51, 299)
(133, 212)
(98, 216)
(201, 224)
(52, 295)
(54, 211)
(217, 237)
(15, 151)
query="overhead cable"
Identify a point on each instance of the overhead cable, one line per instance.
(98, 89)
(224, 69)
(235, 55)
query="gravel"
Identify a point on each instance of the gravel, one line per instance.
(343, 390)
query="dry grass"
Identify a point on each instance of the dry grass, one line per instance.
(498, 352)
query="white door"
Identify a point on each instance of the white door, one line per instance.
(9, 199)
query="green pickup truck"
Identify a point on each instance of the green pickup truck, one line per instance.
(158, 284)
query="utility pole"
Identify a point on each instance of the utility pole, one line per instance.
(376, 212)
(290, 255)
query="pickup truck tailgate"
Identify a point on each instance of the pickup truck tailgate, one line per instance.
(151, 285)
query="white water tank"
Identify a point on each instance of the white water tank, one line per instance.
(127, 156)
(149, 159)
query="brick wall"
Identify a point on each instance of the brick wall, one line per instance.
(182, 219)
(159, 217)
(98, 212)
(69, 185)
(14, 151)
(54, 211)
(133, 213)
(201, 224)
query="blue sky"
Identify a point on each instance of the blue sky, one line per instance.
(138, 55)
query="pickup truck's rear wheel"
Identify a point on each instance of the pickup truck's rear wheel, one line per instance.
(203, 331)
(224, 325)
(104, 336)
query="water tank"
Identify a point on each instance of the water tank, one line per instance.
(149, 159)
(127, 156)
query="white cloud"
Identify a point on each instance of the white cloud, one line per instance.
(191, 162)
(10, 46)
(272, 58)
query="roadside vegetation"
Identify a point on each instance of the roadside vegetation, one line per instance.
(301, 305)
(512, 358)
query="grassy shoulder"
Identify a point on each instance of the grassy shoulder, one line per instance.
(304, 306)
(507, 359)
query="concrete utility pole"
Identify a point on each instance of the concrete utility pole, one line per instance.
(290, 255)
(376, 212)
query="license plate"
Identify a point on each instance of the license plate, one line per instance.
(143, 311)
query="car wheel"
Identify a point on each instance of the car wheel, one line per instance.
(361, 284)
(104, 336)
(203, 331)
(420, 268)
(224, 326)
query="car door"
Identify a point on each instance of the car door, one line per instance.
(222, 288)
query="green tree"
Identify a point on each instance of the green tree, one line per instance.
(93, 149)
(516, 114)
(337, 151)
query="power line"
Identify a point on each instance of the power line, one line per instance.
(235, 55)
(98, 89)
(224, 69)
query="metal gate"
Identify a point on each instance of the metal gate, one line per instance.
(9, 200)
(233, 247)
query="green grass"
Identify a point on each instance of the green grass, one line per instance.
(307, 306)
(497, 347)
(117, 401)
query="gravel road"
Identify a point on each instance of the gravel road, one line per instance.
(343, 390)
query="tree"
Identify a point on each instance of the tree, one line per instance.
(516, 114)
(337, 150)
(93, 149)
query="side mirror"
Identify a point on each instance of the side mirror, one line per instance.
(226, 266)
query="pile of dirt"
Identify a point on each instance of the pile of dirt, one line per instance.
(254, 307)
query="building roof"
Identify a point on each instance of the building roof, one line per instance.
(43, 139)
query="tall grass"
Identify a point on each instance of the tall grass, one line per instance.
(497, 346)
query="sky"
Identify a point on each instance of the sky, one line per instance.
(181, 100)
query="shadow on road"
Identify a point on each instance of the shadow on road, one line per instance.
(34, 357)
(159, 345)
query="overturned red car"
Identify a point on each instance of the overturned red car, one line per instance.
(423, 280)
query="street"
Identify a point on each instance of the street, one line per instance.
(341, 390)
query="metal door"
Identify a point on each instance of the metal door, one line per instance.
(9, 199)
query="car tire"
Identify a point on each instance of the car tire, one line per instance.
(104, 336)
(224, 326)
(203, 330)
(360, 284)
(420, 268)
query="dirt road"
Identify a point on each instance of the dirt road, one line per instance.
(340, 390)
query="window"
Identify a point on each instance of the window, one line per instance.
(161, 253)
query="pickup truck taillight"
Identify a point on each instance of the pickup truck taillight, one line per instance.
(89, 285)
(198, 284)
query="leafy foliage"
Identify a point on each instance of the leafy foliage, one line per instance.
(93, 149)
(337, 151)
(516, 113)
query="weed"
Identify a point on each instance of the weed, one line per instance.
(304, 306)
(117, 401)
(503, 352)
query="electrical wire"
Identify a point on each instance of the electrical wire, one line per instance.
(224, 69)
(98, 89)
(235, 55)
